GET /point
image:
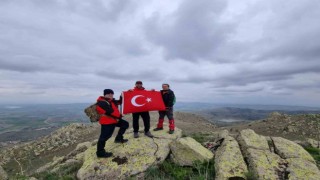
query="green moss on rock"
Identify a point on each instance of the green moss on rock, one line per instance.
(185, 151)
(229, 161)
(140, 153)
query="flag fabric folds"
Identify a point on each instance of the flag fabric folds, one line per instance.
(140, 101)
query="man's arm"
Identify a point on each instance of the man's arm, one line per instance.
(106, 107)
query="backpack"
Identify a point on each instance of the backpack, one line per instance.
(174, 99)
(92, 113)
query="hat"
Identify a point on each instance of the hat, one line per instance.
(138, 82)
(108, 91)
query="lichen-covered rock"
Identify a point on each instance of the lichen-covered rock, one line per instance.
(301, 165)
(313, 143)
(229, 162)
(223, 134)
(249, 139)
(185, 151)
(3, 174)
(301, 169)
(129, 158)
(288, 149)
(262, 162)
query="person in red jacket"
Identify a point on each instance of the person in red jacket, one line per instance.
(145, 116)
(110, 118)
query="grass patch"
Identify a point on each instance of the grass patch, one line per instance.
(315, 153)
(66, 172)
(169, 170)
(200, 137)
(250, 176)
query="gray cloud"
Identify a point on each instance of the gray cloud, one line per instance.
(192, 32)
(228, 51)
(153, 74)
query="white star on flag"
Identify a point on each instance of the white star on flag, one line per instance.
(148, 99)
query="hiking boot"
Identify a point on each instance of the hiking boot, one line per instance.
(135, 134)
(148, 134)
(120, 140)
(171, 131)
(158, 129)
(103, 154)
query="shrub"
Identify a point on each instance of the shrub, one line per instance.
(250, 176)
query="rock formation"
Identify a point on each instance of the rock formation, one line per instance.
(229, 162)
(128, 159)
(186, 151)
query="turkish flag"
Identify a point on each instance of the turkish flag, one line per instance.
(140, 101)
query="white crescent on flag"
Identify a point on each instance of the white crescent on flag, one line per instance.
(133, 101)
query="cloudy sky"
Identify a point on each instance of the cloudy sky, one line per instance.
(219, 51)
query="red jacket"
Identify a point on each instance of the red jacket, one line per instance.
(108, 109)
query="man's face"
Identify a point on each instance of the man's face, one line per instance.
(165, 87)
(109, 96)
(139, 85)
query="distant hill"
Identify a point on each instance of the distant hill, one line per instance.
(293, 127)
(28, 122)
(231, 115)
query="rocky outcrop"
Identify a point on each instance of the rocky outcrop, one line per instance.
(75, 157)
(288, 149)
(276, 157)
(262, 162)
(186, 151)
(300, 162)
(229, 162)
(128, 159)
(3, 174)
(313, 143)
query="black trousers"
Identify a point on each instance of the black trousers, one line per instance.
(146, 121)
(168, 112)
(107, 131)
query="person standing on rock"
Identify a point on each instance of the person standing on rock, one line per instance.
(110, 118)
(144, 115)
(169, 100)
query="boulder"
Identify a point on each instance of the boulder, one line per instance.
(262, 162)
(249, 139)
(185, 151)
(229, 162)
(223, 134)
(287, 149)
(301, 169)
(128, 159)
(301, 165)
(3, 174)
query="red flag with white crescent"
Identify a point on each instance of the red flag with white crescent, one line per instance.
(141, 101)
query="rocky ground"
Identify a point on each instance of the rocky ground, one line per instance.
(66, 147)
(293, 127)
(26, 158)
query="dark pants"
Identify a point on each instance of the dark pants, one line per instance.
(107, 131)
(146, 121)
(169, 113)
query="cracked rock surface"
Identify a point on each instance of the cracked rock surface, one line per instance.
(130, 158)
(269, 158)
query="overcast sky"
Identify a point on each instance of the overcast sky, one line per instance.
(219, 51)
